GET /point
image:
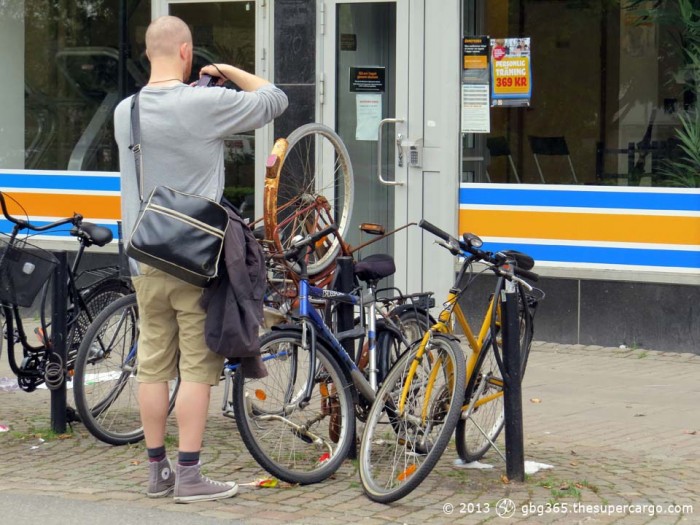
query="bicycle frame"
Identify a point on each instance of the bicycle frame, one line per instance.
(451, 310)
(313, 326)
(313, 323)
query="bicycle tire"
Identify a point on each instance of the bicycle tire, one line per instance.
(303, 175)
(267, 410)
(398, 451)
(484, 417)
(96, 299)
(105, 375)
(3, 329)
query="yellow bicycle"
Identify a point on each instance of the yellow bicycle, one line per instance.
(429, 392)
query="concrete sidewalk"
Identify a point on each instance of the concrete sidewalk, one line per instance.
(620, 428)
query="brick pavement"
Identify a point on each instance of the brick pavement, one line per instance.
(619, 426)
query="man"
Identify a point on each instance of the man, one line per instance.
(182, 142)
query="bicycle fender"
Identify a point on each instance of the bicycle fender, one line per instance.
(419, 310)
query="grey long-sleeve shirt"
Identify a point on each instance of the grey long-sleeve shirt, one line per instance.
(182, 138)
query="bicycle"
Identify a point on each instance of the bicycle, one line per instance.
(24, 271)
(393, 463)
(299, 422)
(109, 407)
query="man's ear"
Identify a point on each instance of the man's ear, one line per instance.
(184, 51)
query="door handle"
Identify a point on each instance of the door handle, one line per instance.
(379, 152)
(399, 149)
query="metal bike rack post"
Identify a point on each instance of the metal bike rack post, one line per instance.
(344, 283)
(346, 315)
(58, 342)
(513, 399)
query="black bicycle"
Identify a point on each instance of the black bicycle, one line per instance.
(25, 270)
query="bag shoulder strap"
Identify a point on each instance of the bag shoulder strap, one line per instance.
(136, 146)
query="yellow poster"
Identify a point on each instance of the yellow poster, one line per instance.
(511, 77)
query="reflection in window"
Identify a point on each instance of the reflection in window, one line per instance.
(62, 69)
(63, 81)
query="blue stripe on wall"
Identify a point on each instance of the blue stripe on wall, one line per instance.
(59, 182)
(599, 255)
(580, 199)
(59, 233)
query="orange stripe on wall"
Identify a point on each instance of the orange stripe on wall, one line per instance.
(657, 229)
(64, 205)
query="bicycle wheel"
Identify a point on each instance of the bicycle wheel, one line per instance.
(312, 188)
(298, 444)
(400, 447)
(105, 375)
(96, 299)
(484, 417)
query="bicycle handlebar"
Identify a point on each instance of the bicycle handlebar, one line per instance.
(457, 247)
(435, 230)
(76, 219)
(526, 273)
(297, 246)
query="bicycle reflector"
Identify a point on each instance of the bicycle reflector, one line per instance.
(260, 394)
(407, 473)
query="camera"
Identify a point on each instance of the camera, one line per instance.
(207, 81)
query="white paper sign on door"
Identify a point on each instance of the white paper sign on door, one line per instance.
(369, 115)
(476, 115)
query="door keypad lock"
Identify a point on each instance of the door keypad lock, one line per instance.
(414, 151)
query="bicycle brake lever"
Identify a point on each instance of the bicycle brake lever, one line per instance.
(450, 247)
(509, 274)
(524, 283)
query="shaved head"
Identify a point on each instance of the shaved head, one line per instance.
(165, 35)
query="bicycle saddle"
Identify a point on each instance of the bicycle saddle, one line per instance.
(374, 267)
(92, 234)
(259, 233)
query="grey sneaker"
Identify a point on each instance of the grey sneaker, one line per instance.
(192, 486)
(161, 479)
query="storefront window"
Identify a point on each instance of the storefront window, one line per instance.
(61, 67)
(613, 94)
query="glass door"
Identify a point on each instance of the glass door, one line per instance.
(365, 86)
(228, 31)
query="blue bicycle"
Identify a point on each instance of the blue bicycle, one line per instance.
(299, 422)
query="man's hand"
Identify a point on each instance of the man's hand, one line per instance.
(244, 80)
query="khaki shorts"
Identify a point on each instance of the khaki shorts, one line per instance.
(172, 319)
